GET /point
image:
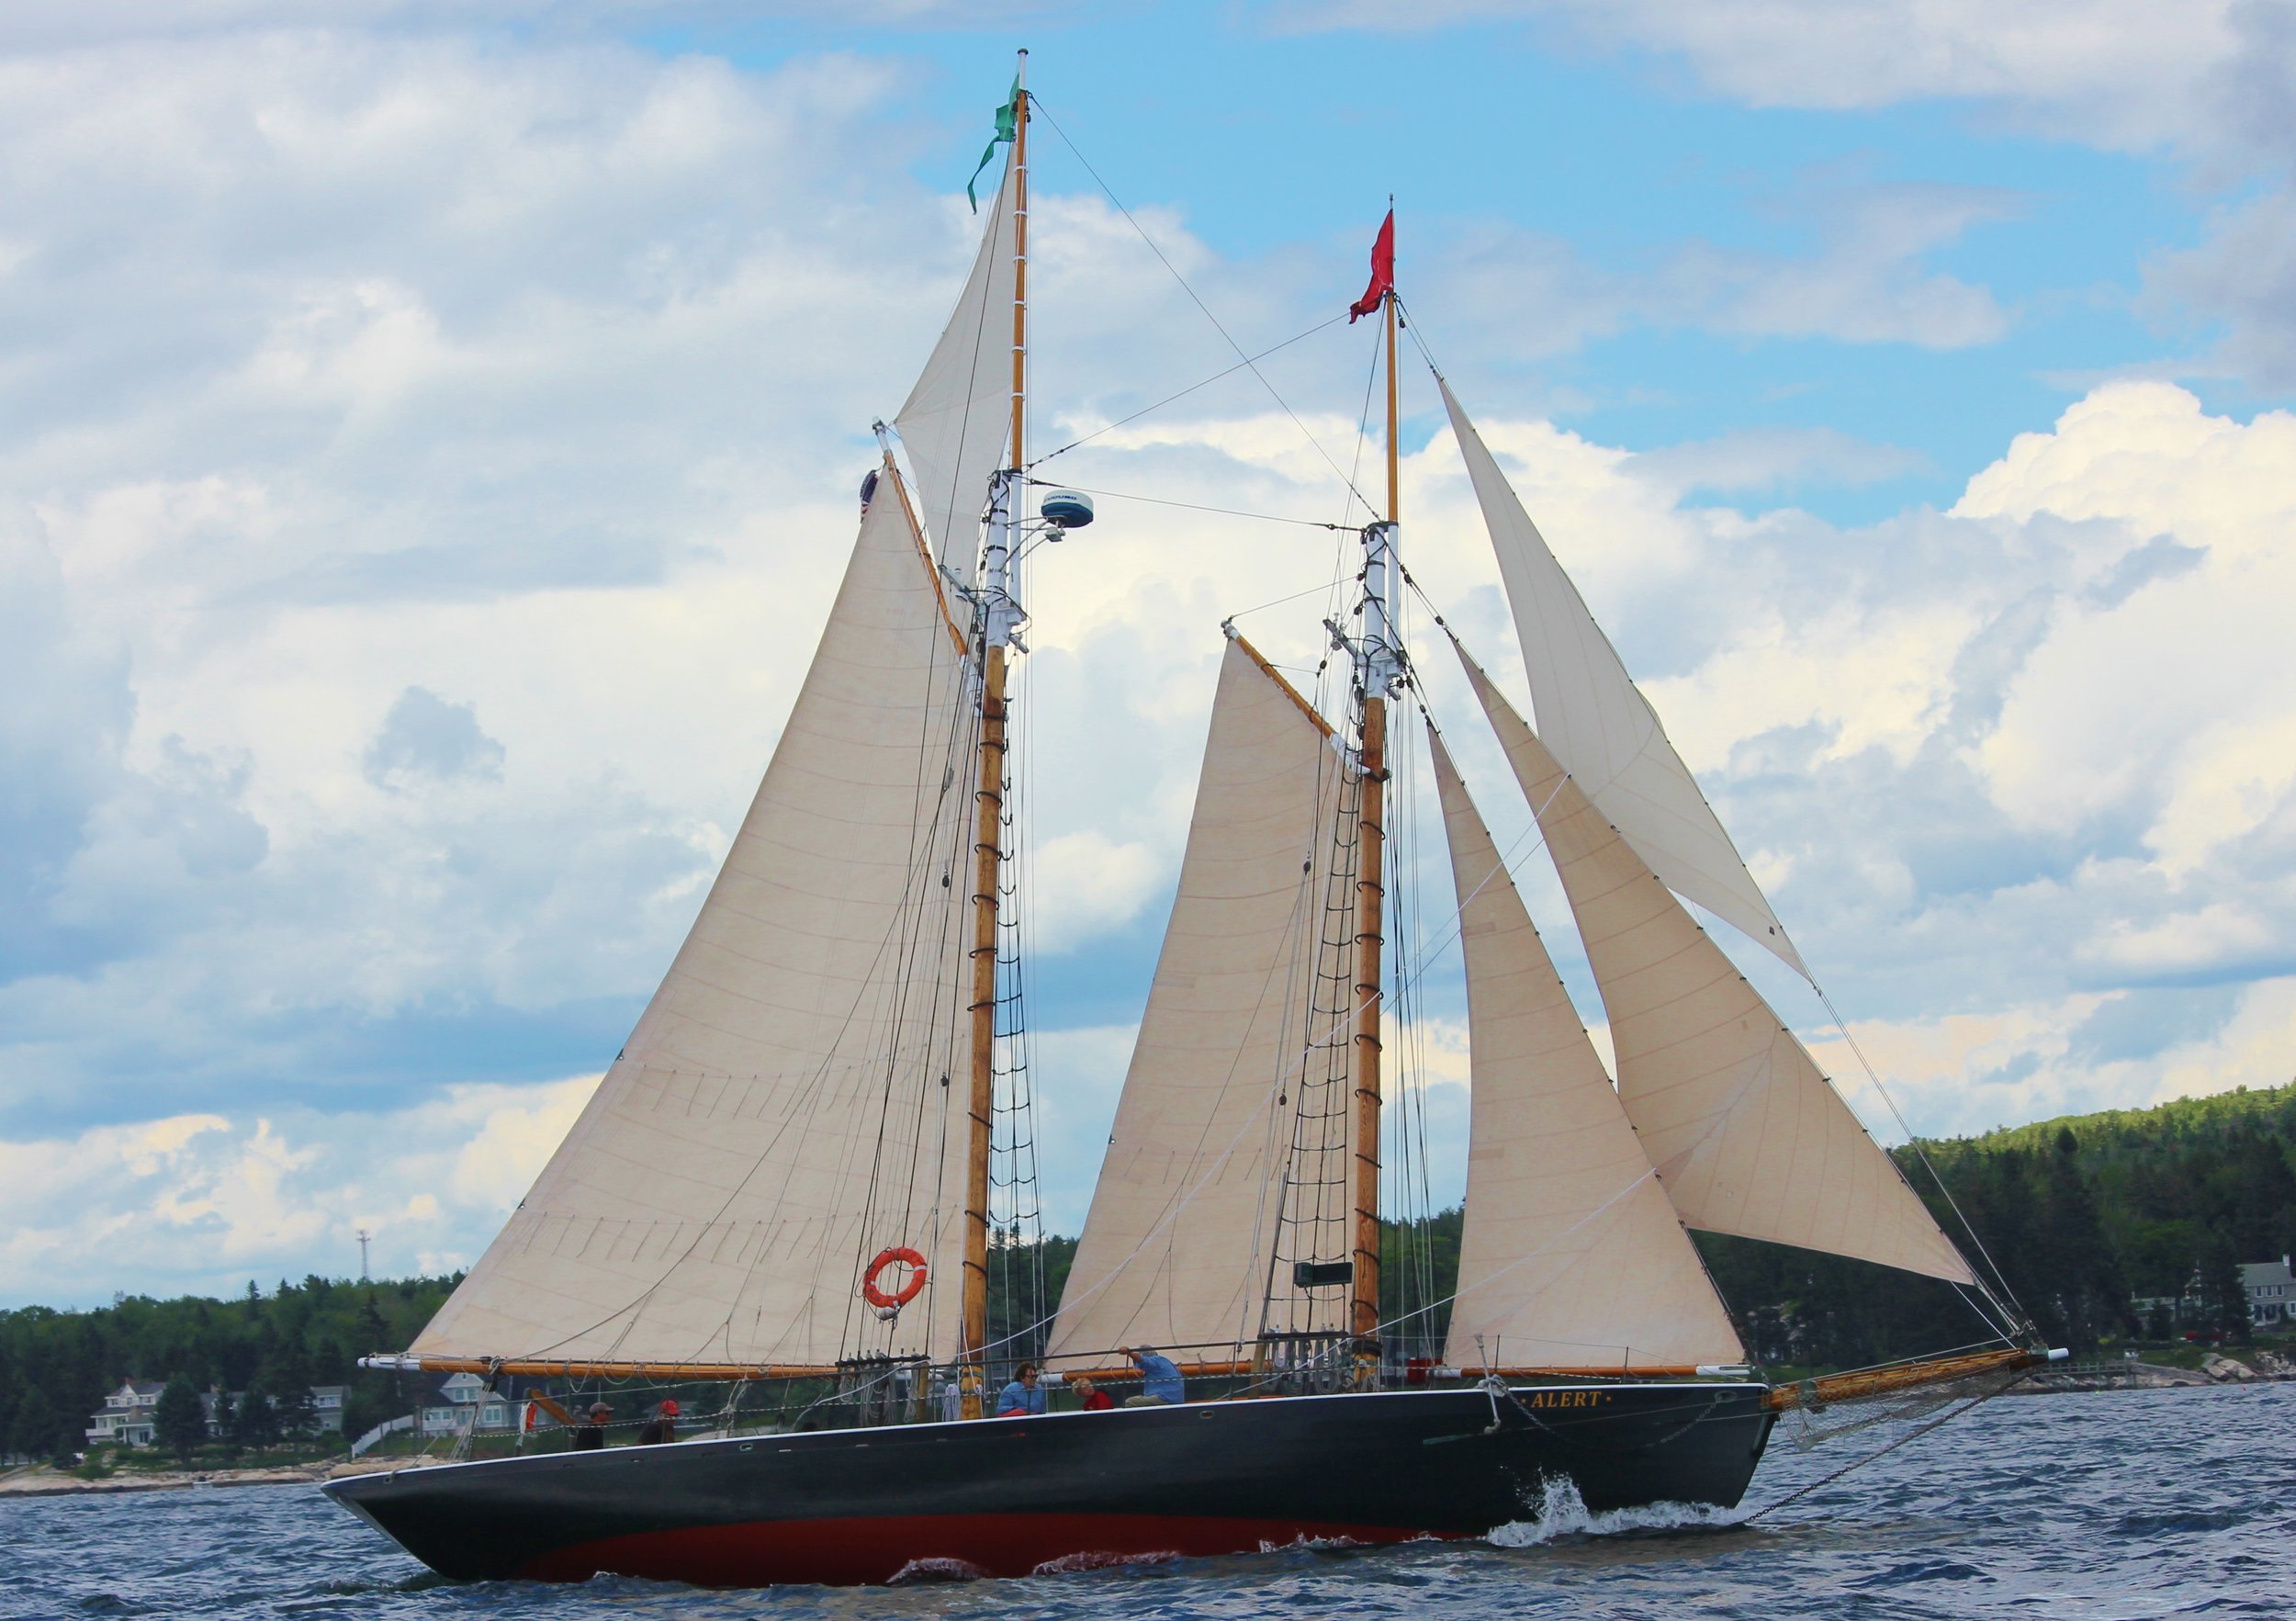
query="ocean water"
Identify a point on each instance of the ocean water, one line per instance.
(2123, 1505)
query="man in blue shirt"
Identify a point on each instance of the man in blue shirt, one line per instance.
(1159, 1377)
(1021, 1395)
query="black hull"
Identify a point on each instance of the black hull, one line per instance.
(1006, 1497)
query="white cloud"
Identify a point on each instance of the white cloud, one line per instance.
(1966, 1074)
(206, 1201)
(2210, 83)
(438, 460)
(2129, 71)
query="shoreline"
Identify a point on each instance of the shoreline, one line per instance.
(41, 1480)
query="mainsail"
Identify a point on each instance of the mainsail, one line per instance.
(1749, 1137)
(780, 1113)
(1598, 723)
(957, 419)
(1176, 1248)
(1571, 1256)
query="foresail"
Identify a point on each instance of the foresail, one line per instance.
(956, 426)
(1598, 723)
(1571, 1256)
(1747, 1135)
(778, 1115)
(1177, 1247)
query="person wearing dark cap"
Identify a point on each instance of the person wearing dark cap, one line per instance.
(661, 1427)
(592, 1436)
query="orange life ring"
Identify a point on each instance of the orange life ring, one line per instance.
(909, 1291)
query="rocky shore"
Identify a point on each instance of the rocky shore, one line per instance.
(39, 1481)
(2128, 1375)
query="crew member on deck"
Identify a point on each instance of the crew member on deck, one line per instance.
(1090, 1397)
(592, 1436)
(660, 1428)
(1021, 1395)
(1160, 1384)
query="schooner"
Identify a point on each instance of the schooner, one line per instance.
(788, 1177)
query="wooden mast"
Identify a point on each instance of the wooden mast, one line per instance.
(1370, 903)
(989, 805)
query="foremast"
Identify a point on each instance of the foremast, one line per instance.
(1378, 673)
(998, 618)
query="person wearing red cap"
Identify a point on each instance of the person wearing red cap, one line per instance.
(661, 1427)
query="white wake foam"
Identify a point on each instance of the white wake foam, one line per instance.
(1562, 1512)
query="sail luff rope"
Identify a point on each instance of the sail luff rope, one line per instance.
(1172, 1213)
(2012, 1311)
(799, 1120)
(2005, 1303)
(1037, 107)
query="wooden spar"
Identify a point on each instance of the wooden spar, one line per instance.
(1371, 930)
(557, 1413)
(1905, 1376)
(539, 1367)
(989, 805)
(1450, 1377)
(989, 799)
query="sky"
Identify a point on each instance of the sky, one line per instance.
(428, 441)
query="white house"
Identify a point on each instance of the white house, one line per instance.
(126, 1419)
(126, 1416)
(2271, 1286)
(461, 1400)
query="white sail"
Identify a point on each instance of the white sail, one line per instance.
(1571, 1256)
(1177, 1247)
(778, 1115)
(1747, 1136)
(1598, 723)
(957, 426)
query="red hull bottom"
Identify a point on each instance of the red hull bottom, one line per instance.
(914, 1548)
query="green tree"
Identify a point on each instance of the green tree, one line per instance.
(2223, 1298)
(179, 1423)
(256, 1424)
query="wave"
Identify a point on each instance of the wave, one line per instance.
(1561, 1513)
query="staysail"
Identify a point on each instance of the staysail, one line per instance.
(780, 1114)
(1571, 1256)
(1177, 1247)
(956, 424)
(1747, 1135)
(1598, 723)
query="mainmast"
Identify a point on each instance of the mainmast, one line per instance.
(999, 619)
(1378, 670)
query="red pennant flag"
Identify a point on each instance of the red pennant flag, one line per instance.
(1383, 271)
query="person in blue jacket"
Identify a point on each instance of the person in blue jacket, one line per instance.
(1160, 1384)
(1021, 1395)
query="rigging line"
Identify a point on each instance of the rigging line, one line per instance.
(1362, 421)
(1192, 506)
(800, 1119)
(1279, 602)
(2011, 1307)
(1649, 1174)
(1038, 106)
(1411, 326)
(1183, 394)
(1912, 1435)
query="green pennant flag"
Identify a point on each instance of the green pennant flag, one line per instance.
(1008, 126)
